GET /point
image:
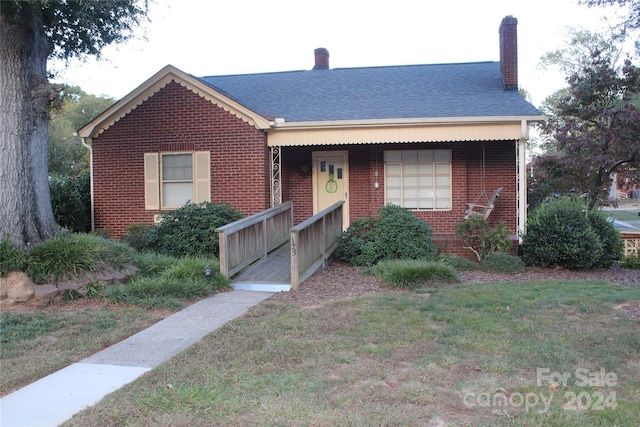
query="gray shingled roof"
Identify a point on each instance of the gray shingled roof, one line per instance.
(411, 91)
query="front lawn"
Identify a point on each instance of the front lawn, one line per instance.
(520, 354)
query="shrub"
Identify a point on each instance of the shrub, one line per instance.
(559, 234)
(190, 230)
(457, 262)
(395, 234)
(482, 239)
(11, 258)
(403, 236)
(411, 274)
(501, 262)
(612, 244)
(357, 245)
(71, 202)
(631, 262)
(68, 255)
(137, 236)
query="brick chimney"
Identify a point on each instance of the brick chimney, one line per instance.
(322, 59)
(509, 52)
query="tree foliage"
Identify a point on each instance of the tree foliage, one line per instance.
(71, 201)
(75, 28)
(577, 52)
(594, 124)
(66, 154)
(631, 20)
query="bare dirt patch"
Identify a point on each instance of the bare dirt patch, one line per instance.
(632, 309)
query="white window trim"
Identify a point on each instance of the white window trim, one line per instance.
(416, 209)
(164, 181)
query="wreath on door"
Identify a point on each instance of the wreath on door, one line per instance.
(331, 186)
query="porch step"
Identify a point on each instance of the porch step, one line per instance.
(261, 286)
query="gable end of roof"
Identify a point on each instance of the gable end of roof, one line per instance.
(156, 83)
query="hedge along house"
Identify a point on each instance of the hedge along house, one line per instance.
(430, 138)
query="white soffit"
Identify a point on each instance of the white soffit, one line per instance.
(454, 131)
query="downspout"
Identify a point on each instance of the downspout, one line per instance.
(522, 179)
(93, 223)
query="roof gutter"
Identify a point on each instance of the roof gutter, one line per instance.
(281, 123)
(84, 143)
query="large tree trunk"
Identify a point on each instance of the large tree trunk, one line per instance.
(26, 216)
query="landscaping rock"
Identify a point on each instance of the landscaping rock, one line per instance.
(42, 292)
(5, 303)
(70, 285)
(109, 277)
(19, 287)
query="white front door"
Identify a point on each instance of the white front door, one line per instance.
(331, 181)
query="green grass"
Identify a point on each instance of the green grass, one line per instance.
(399, 358)
(35, 344)
(38, 341)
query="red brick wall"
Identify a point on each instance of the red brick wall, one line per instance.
(365, 199)
(509, 52)
(177, 119)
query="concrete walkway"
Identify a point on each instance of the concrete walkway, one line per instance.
(54, 399)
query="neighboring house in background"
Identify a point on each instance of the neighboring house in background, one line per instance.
(622, 189)
(430, 138)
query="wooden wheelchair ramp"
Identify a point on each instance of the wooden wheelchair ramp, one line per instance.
(264, 252)
(272, 274)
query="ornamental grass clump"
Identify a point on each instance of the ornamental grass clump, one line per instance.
(70, 254)
(183, 280)
(412, 274)
(11, 258)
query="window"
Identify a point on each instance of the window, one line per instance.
(177, 179)
(418, 179)
(172, 179)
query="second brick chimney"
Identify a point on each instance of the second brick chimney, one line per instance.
(509, 52)
(322, 59)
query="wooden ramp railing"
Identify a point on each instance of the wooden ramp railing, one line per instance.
(245, 241)
(313, 241)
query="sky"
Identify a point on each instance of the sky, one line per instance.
(214, 37)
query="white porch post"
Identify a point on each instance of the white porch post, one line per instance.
(522, 178)
(276, 176)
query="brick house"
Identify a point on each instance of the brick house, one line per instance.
(430, 138)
